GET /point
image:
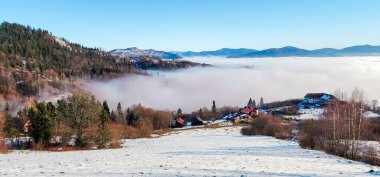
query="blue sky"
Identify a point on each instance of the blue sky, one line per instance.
(202, 24)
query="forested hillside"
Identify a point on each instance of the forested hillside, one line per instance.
(33, 59)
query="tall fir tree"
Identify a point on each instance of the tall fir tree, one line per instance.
(105, 134)
(250, 102)
(213, 108)
(105, 107)
(261, 105)
(40, 124)
(120, 114)
(113, 117)
(132, 117)
(9, 128)
(179, 111)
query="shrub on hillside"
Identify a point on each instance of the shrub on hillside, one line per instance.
(145, 127)
(157, 119)
(161, 120)
(269, 126)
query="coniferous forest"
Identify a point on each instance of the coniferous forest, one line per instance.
(33, 59)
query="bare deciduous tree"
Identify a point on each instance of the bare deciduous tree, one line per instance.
(344, 124)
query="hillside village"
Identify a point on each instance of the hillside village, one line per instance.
(312, 106)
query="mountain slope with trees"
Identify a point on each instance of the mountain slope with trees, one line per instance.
(134, 52)
(33, 61)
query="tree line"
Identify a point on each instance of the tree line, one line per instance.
(80, 121)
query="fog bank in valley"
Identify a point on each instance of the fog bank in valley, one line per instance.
(233, 81)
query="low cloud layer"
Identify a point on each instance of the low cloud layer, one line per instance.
(232, 81)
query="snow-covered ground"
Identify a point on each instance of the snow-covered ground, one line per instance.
(307, 114)
(195, 152)
(371, 114)
(317, 113)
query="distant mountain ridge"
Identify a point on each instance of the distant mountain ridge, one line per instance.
(221, 52)
(288, 51)
(134, 52)
(360, 50)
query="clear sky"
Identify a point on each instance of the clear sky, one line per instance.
(202, 24)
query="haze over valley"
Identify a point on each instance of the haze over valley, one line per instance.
(231, 81)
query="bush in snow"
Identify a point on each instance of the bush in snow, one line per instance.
(311, 134)
(269, 126)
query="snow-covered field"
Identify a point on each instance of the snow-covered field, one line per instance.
(307, 114)
(196, 152)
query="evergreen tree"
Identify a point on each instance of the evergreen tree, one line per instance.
(9, 126)
(200, 112)
(105, 134)
(254, 103)
(113, 117)
(60, 124)
(105, 107)
(40, 123)
(261, 105)
(132, 117)
(250, 102)
(179, 111)
(213, 109)
(120, 114)
(52, 111)
(62, 111)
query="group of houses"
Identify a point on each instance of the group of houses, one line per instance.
(311, 101)
(180, 122)
(244, 114)
(315, 100)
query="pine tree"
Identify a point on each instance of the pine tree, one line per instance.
(113, 117)
(200, 112)
(60, 123)
(40, 123)
(213, 109)
(105, 134)
(120, 114)
(179, 111)
(9, 128)
(105, 107)
(254, 104)
(261, 105)
(250, 102)
(132, 117)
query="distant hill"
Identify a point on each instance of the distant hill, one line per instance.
(361, 50)
(221, 52)
(278, 52)
(134, 52)
(288, 51)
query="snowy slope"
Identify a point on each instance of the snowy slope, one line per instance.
(315, 113)
(134, 52)
(198, 152)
